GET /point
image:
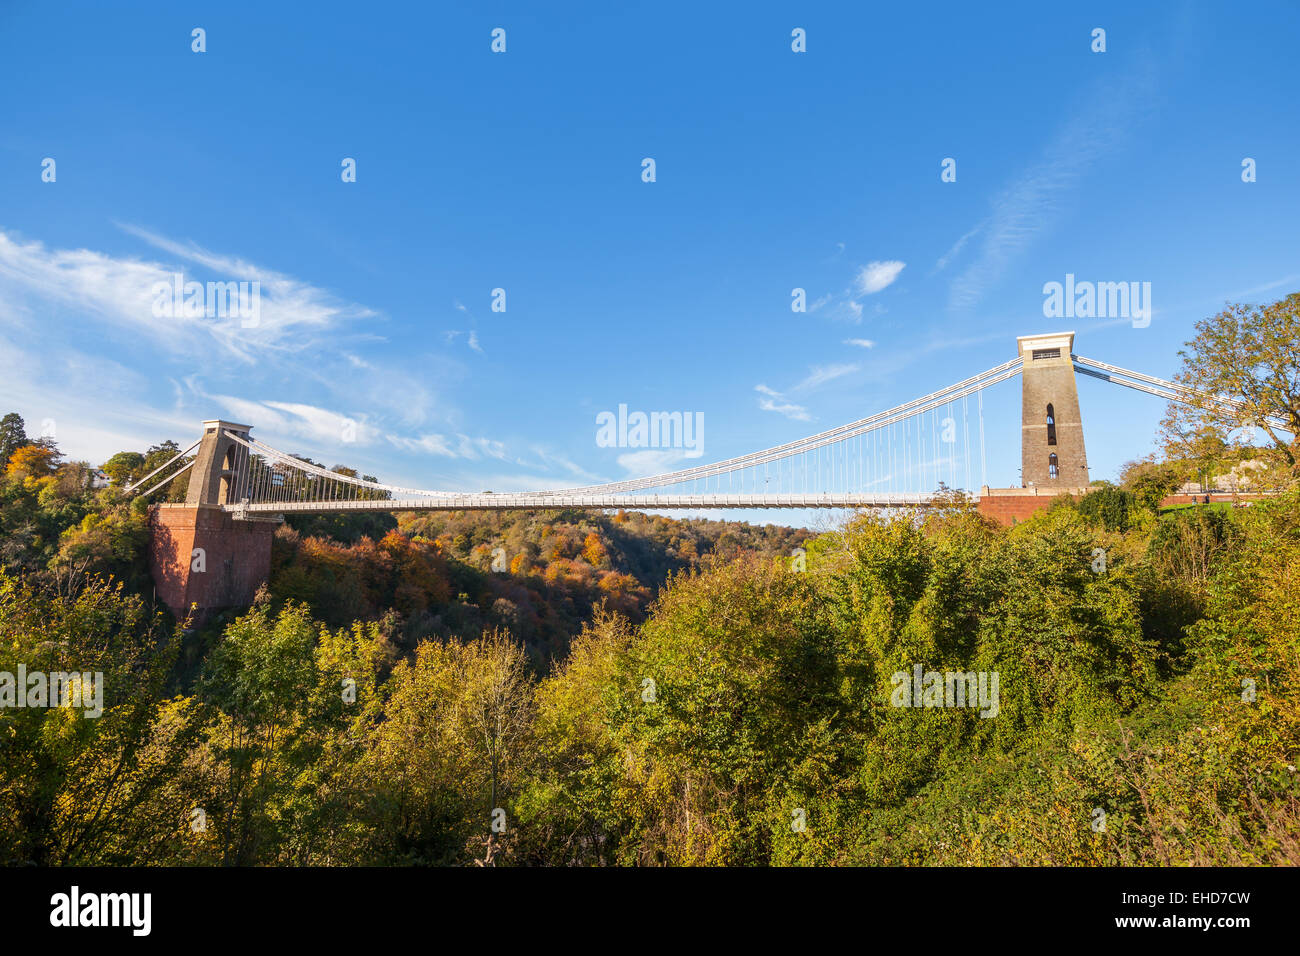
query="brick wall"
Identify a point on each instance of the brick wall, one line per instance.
(1009, 506)
(236, 557)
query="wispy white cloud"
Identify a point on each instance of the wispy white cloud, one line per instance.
(289, 307)
(779, 402)
(775, 402)
(471, 338)
(119, 292)
(322, 424)
(789, 409)
(869, 279)
(875, 276)
(551, 459)
(324, 430)
(508, 482)
(821, 374)
(653, 461)
(356, 361)
(1035, 200)
(94, 404)
(861, 343)
(451, 446)
(956, 249)
(308, 343)
(1291, 280)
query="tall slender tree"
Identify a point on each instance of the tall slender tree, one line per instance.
(13, 435)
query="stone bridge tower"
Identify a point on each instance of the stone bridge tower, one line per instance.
(204, 556)
(1052, 456)
(214, 479)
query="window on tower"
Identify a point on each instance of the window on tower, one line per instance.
(1053, 471)
(1051, 425)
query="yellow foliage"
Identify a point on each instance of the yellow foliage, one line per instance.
(31, 461)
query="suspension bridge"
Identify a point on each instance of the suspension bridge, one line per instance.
(913, 455)
(896, 458)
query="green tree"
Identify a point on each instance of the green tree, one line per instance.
(1249, 354)
(453, 750)
(1151, 481)
(124, 467)
(571, 810)
(13, 435)
(89, 784)
(1107, 506)
(287, 704)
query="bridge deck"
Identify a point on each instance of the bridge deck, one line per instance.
(512, 502)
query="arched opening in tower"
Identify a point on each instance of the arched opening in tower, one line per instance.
(226, 495)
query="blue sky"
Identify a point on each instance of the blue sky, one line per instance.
(522, 171)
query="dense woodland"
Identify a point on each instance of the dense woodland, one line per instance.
(642, 690)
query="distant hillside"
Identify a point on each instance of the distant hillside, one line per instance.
(431, 574)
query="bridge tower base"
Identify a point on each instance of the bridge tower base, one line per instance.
(203, 558)
(1008, 506)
